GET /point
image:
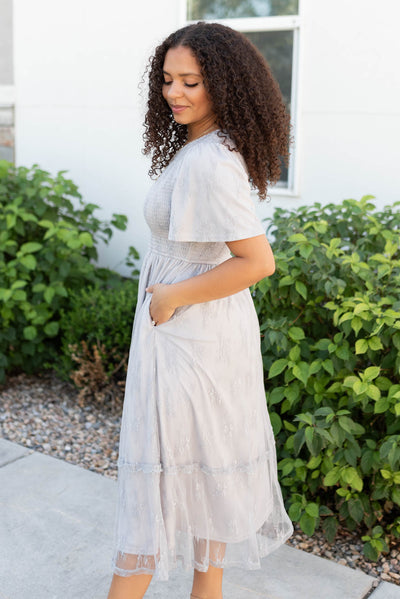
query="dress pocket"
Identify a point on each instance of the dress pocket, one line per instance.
(176, 315)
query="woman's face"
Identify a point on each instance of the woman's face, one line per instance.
(184, 89)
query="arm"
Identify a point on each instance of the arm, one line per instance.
(252, 261)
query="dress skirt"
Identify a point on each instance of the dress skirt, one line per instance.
(197, 469)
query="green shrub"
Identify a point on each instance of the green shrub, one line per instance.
(48, 238)
(330, 323)
(96, 333)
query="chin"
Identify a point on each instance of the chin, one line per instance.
(180, 120)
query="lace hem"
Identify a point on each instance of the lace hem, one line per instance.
(161, 568)
(193, 467)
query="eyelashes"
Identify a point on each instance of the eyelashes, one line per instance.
(185, 84)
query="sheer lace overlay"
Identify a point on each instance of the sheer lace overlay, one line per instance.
(197, 472)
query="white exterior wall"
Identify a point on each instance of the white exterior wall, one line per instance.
(78, 64)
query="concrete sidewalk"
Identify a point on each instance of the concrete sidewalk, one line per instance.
(56, 534)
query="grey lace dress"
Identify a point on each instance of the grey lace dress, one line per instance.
(197, 470)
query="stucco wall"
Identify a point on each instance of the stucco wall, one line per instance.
(78, 64)
(6, 62)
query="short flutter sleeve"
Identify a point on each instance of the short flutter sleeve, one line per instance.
(211, 199)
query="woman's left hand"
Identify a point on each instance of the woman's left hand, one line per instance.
(161, 307)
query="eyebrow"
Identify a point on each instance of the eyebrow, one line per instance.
(183, 74)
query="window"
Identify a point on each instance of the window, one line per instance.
(273, 26)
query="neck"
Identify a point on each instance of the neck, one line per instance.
(199, 129)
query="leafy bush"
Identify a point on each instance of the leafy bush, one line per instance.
(96, 332)
(330, 320)
(47, 249)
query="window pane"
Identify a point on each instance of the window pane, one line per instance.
(277, 48)
(230, 9)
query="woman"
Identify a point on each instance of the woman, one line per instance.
(197, 465)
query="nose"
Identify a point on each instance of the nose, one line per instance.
(174, 90)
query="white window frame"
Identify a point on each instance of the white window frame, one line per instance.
(276, 23)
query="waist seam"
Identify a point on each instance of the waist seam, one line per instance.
(181, 258)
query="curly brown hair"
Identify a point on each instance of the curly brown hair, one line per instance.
(246, 100)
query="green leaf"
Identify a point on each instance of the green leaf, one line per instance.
(297, 237)
(342, 352)
(298, 440)
(330, 526)
(5, 294)
(30, 247)
(306, 418)
(286, 468)
(301, 372)
(49, 294)
(30, 333)
(28, 261)
(47, 224)
(277, 367)
(18, 284)
(61, 290)
(373, 392)
(323, 344)
(371, 373)
(284, 281)
(314, 462)
(309, 437)
(307, 524)
(301, 289)
(360, 308)
(51, 328)
(359, 388)
(295, 511)
(312, 510)
(19, 295)
(346, 423)
(352, 478)
(38, 287)
(375, 343)
(356, 324)
(356, 509)
(289, 426)
(275, 396)
(396, 495)
(315, 367)
(349, 381)
(276, 422)
(306, 250)
(361, 346)
(370, 552)
(86, 239)
(328, 366)
(332, 478)
(325, 510)
(296, 333)
(294, 353)
(367, 460)
(346, 316)
(382, 405)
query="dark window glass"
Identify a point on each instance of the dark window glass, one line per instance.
(277, 48)
(230, 9)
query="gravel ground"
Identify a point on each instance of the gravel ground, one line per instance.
(42, 413)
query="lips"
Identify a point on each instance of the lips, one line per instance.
(177, 109)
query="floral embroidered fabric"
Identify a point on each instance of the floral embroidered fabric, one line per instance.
(197, 471)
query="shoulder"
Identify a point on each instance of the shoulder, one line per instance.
(214, 156)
